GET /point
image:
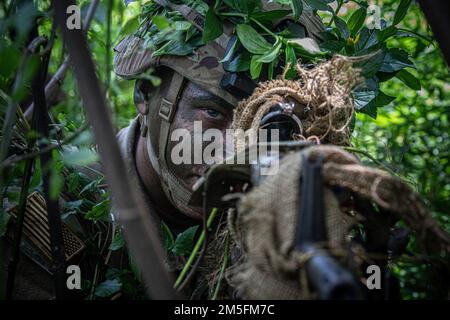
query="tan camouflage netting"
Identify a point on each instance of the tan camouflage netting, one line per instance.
(264, 229)
(323, 94)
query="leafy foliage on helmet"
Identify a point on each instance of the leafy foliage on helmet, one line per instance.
(272, 36)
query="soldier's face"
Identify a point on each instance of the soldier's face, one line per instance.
(197, 105)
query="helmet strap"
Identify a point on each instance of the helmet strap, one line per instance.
(177, 193)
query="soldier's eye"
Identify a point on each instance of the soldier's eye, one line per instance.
(213, 113)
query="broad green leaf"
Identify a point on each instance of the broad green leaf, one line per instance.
(174, 47)
(240, 63)
(73, 182)
(413, 34)
(182, 25)
(386, 33)
(161, 22)
(332, 45)
(272, 54)
(297, 8)
(362, 98)
(270, 16)
(108, 288)
(308, 44)
(395, 60)
(356, 21)
(401, 11)
(252, 40)
(130, 26)
(243, 6)
(409, 79)
(255, 67)
(291, 59)
(371, 65)
(185, 242)
(213, 26)
(230, 52)
(100, 211)
(380, 100)
(342, 28)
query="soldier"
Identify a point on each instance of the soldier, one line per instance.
(192, 89)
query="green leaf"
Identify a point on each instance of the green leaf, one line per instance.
(240, 63)
(297, 8)
(185, 242)
(413, 34)
(332, 45)
(161, 22)
(395, 60)
(108, 288)
(243, 6)
(362, 98)
(409, 79)
(182, 25)
(356, 21)
(213, 26)
(290, 58)
(230, 52)
(174, 47)
(401, 11)
(99, 212)
(130, 26)
(167, 236)
(342, 28)
(370, 66)
(307, 44)
(272, 54)
(319, 4)
(386, 33)
(252, 40)
(270, 16)
(380, 101)
(118, 242)
(255, 67)
(4, 219)
(73, 182)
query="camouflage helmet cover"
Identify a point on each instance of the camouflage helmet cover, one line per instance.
(203, 67)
